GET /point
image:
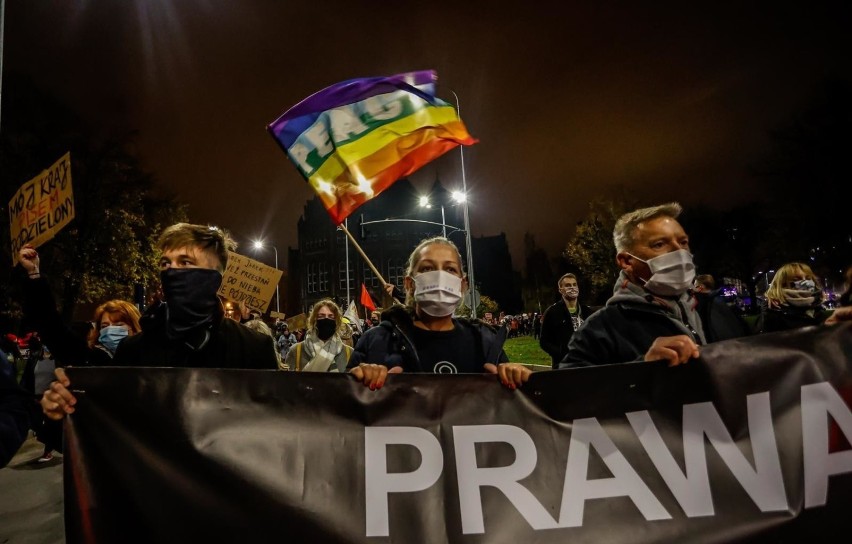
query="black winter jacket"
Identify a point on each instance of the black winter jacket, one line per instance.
(624, 329)
(67, 346)
(229, 345)
(390, 343)
(557, 329)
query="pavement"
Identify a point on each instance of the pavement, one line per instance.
(31, 498)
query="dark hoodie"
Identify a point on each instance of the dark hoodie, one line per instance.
(624, 329)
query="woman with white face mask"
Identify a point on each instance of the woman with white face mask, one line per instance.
(793, 299)
(423, 335)
(652, 313)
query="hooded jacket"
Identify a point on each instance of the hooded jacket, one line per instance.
(624, 329)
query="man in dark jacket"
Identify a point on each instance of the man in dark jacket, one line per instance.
(189, 328)
(652, 313)
(562, 319)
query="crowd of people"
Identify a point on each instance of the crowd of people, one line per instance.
(660, 310)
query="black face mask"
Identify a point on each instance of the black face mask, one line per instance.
(191, 300)
(374, 321)
(325, 328)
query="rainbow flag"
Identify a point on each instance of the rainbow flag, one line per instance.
(353, 140)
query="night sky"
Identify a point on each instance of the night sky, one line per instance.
(673, 100)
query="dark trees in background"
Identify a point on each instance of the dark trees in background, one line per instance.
(107, 250)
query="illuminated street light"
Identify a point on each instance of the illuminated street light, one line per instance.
(258, 244)
(424, 203)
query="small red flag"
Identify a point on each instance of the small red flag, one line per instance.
(366, 300)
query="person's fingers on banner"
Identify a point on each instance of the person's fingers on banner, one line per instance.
(392, 370)
(373, 376)
(512, 375)
(844, 313)
(674, 349)
(58, 400)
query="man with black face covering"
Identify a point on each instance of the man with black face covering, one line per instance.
(651, 315)
(189, 328)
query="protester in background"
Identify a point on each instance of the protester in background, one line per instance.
(652, 314)
(285, 340)
(347, 332)
(423, 335)
(538, 321)
(45, 430)
(562, 319)
(794, 299)
(375, 317)
(719, 320)
(323, 349)
(115, 320)
(188, 328)
(259, 325)
(16, 412)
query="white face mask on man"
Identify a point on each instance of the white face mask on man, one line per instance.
(671, 273)
(437, 292)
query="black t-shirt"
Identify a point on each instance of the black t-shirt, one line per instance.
(448, 352)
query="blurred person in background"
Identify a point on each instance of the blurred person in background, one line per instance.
(720, 321)
(793, 300)
(561, 319)
(16, 416)
(260, 326)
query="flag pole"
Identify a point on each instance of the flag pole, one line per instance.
(364, 255)
(361, 251)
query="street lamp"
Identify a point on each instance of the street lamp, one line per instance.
(466, 222)
(258, 244)
(424, 203)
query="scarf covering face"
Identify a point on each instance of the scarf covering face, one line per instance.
(321, 353)
(191, 299)
(800, 298)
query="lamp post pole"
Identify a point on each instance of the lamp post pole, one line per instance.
(277, 299)
(466, 223)
(258, 244)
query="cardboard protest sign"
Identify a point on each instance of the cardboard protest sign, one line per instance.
(249, 281)
(297, 322)
(42, 206)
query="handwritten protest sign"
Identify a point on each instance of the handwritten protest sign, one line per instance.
(249, 281)
(42, 206)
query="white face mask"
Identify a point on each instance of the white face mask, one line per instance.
(437, 293)
(671, 273)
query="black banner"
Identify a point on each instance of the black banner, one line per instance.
(748, 444)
